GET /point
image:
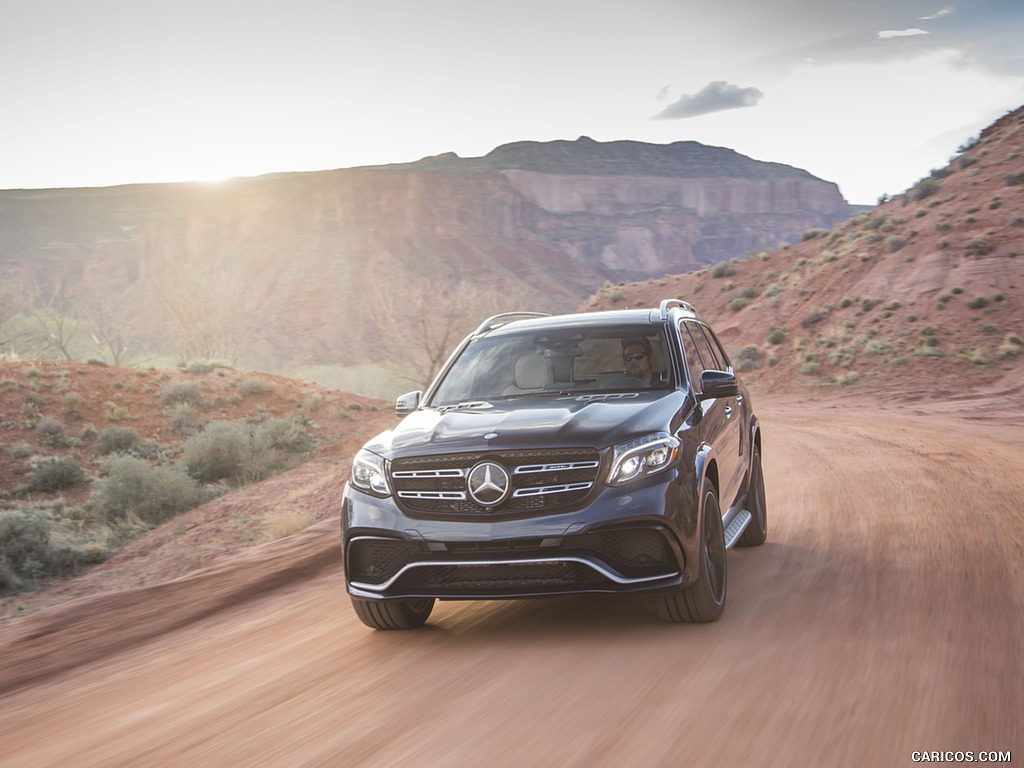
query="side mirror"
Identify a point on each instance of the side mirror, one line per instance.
(716, 384)
(407, 403)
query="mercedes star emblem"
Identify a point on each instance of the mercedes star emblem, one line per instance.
(488, 484)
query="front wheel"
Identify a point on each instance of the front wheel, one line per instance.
(393, 614)
(704, 599)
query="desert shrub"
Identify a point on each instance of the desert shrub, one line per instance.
(51, 431)
(723, 269)
(813, 317)
(24, 545)
(844, 356)
(56, 475)
(879, 347)
(132, 490)
(748, 358)
(218, 452)
(776, 336)
(287, 435)
(978, 302)
(116, 440)
(20, 451)
(182, 392)
(979, 246)
(736, 304)
(253, 385)
(204, 366)
(894, 243)
(184, 420)
(811, 234)
(1011, 347)
(979, 357)
(242, 452)
(772, 290)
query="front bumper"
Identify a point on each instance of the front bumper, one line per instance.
(624, 540)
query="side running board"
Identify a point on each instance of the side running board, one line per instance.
(739, 524)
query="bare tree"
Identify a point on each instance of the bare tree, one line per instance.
(55, 309)
(208, 309)
(422, 321)
(110, 327)
(12, 306)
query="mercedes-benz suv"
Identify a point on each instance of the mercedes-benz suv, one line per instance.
(609, 452)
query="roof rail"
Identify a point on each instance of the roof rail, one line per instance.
(667, 304)
(505, 317)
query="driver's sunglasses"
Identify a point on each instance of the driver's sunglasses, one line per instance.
(634, 356)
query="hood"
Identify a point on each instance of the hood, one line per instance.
(520, 423)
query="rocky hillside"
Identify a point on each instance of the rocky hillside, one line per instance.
(284, 269)
(922, 294)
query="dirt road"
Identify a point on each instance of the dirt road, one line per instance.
(884, 616)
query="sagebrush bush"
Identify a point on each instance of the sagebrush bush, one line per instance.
(24, 548)
(253, 385)
(134, 490)
(241, 452)
(894, 243)
(184, 419)
(218, 452)
(56, 475)
(116, 440)
(748, 358)
(51, 431)
(182, 392)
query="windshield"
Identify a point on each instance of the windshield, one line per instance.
(563, 360)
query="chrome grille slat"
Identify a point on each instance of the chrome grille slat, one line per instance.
(544, 490)
(453, 495)
(429, 473)
(531, 468)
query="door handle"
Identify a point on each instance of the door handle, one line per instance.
(728, 411)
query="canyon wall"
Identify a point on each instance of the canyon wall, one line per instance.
(301, 258)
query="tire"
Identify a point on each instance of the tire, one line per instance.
(393, 614)
(704, 599)
(757, 530)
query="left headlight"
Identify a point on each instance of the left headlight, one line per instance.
(368, 473)
(643, 457)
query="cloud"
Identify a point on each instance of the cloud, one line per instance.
(885, 34)
(944, 12)
(716, 96)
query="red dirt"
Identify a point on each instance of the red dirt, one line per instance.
(884, 615)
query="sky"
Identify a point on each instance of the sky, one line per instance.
(869, 94)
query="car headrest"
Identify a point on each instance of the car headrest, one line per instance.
(531, 372)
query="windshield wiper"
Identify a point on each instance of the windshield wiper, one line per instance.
(466, 405)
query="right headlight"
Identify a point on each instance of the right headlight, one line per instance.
(368, 473)
(643, 457)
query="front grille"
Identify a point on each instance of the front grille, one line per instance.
(542, 480)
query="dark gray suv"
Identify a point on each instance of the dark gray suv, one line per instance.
(597, 452)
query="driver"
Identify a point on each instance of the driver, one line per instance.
(637, 359)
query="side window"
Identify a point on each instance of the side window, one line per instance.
(712, 356)
(693, 358)
(717, 349)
